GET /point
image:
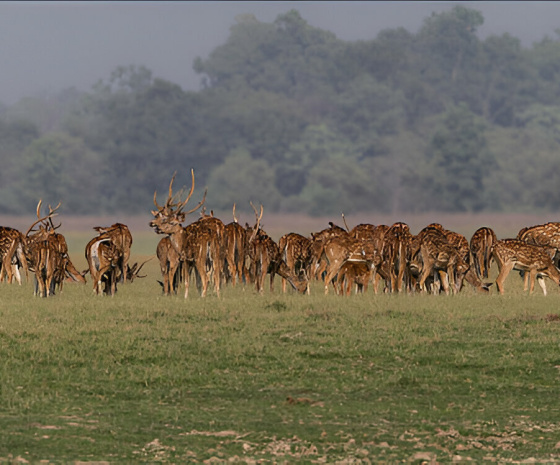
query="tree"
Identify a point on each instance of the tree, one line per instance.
(60, 168)
(458, 162)
(15, 136)
(240, 180)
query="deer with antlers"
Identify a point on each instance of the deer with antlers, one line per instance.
(189, 243)
(47, 254)
(265, 257)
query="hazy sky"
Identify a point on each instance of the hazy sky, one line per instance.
(48, 46)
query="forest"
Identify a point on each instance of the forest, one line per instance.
(293, 118)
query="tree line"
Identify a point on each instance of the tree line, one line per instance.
(294, 118)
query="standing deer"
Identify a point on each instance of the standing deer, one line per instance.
(296, 253)
(481, 245)
(47, 254)
(235, 250)
(12, 256)
(189, 243)
(513, 254)
(265, 257)
(120, 236)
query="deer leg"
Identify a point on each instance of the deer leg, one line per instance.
(542, 283)
(525, 280)
(532, 276)
(426, 271)
(332, 270)
(502, 275)
(444, 280)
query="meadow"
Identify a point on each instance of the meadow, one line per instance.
(277, 378)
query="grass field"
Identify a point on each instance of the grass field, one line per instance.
(276, 378)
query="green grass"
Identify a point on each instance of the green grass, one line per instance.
(281, 378)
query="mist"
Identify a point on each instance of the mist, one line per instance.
(51, 46)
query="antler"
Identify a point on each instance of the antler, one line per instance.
(41, 220)
(345, 224)
(52, 213)
(234, 218)
(135, 269)
(181, 205)
(257, 224)
(199, 203)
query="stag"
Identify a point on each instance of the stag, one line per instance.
(47, 254)
(265, 257)
(186, 242)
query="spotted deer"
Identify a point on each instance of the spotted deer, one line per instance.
(42, 253)
(338, 251)
(544, 235)
(12, 256)
(481, 245)
(104, 259)
(438, 259)
(265, 257)
(514, 254)
(296, 253)
(396, 243)
(318, 239)
(120, 236)
(235, 250)
(185, 241)
(170, 265)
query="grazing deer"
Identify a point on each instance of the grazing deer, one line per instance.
(296, 253)
(265, 257)
(104, 259)
(513, 254)
(339, 250)
(439, 260)
(42, 250)
(12, 256)
(120, 236)
(481, 245)
(318, 239)
(396, 243)
(235, 250)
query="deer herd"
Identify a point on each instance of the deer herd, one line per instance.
(390, 258)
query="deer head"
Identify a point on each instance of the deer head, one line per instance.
(171, 214)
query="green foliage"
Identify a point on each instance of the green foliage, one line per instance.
(55, 167)
(15, 136)
(459, 161)
(293, 117)
(240, 180)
